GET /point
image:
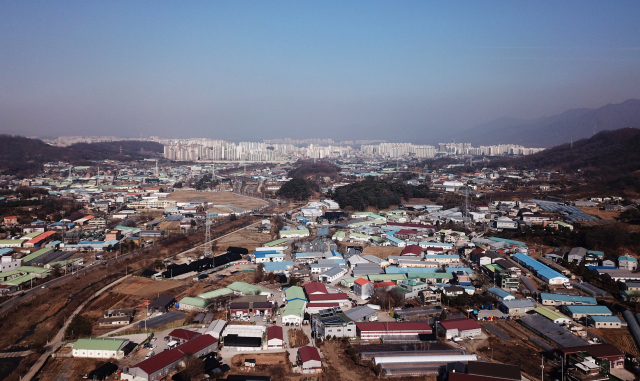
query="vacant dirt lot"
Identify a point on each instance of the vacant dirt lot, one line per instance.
(382, 251)
(297, 338)
(147, 288)
(249, 239)
(262, 359)
(603, 214)
(218, 198)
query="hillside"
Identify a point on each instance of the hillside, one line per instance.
(610, 158)
(570, 125)
(20, 155)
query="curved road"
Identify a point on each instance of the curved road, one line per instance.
(55, 343)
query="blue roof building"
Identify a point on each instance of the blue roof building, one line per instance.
(561, 299)
(500, 294)
(540, 270)
(577, 312)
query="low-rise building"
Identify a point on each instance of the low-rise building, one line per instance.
(363, 288)
(375, 330)
(309, 359)
(99, 348)
(516, 307)
(604, 321)
(462, 327)
(577, 312)
(275, 337)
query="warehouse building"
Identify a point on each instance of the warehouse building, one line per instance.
(99, 348)
(460, 328)
(375, 330)
(604, 321)
(166, 362)
(561, 299)
(552, 315)
(545, 273)
(517, 307)
(577, 312)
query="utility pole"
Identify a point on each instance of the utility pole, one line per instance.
(542, 366)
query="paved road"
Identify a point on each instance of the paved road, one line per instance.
(57, 340)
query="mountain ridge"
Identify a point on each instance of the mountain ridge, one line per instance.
(545, 132)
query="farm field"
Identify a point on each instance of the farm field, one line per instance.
(218, 198)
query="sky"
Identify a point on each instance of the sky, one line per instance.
(251, 70)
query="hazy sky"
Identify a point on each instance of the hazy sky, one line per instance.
(397, 70)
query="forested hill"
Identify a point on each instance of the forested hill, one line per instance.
(609, 157)
(20, 155)
(375, 193)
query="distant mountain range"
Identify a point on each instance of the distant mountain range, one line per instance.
(20, 155)
(608, 160)
(574, 124)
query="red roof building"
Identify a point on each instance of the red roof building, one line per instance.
(374, 330)
(275, 338)
(412, 251)
(315, 288)
(340, 298)
(309, 359)
(182, 335)
(361, 281)
(165, 362)
(385, 284)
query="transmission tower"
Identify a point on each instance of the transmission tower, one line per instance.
(207, 236)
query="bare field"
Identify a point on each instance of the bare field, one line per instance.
(244, 238)
(602, 214)
(262, 359)
(220, 198)
(382, 251)
(619, 337)
(147, 287)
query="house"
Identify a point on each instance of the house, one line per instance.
(309, 359)
(461, 327)
(182, 335)
(411, 288)
(11, 220)
(627, 262)
(517, 307)
(275, 338)
(363, 288)
(375, 330)
(99, 348)
(604, 321)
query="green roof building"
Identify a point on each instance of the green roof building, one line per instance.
(100, 348)
(278, 242)
(189, 303)
(248, 289)
(216, 294)
(295, 293)
(294, 312)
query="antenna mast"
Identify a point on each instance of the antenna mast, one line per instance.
(207, 236)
